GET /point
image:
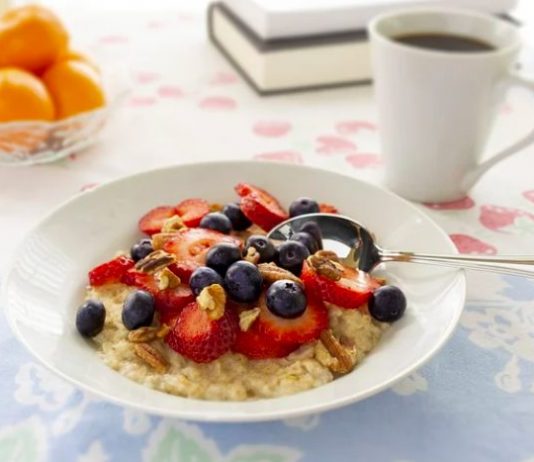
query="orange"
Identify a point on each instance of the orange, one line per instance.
(23, 97)
(75, 88)
(31, 37)
(76, 55)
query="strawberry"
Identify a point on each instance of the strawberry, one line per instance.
(260, 207)
(297, 331)
(110, 272)
(255, 344)
(198, 337)
(168, 302)
(191, 244)
(152, 221)
(184, 269)
(192, 210)
(327, 208)
(351, 291)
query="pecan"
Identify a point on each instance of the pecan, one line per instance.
(155, 261)
(143, 334)
(163, 331)
(328, 254)
(167, 279)
(253, 256)
(216, 207)
(151, 356)
(172, 224)
(325, 267)
(159, 240)
(213, 300)
(342, 361)
(271, 273)
(247, 318)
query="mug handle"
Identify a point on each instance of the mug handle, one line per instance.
(514, 80)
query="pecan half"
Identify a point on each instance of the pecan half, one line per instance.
(167, 279)
(341, 361)
(272, 272)
(143, 334)
(163, 331)
(253, 256)
(151, 356)
(247, 318)
(172, 224)
(155, 261)
(213, 300)
(325, 266)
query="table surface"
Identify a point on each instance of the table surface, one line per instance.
(473, 401)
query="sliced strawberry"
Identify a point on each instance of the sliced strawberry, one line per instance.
(260, 207)
(191, 244)
(192, 210)
(327, 208)
(351, 291)
(110, 272)
(255, 344)
(169, 302)
(152, 221)
(198, 337)
(184, 269)
(297, 331)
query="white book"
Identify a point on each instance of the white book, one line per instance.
(273, 19)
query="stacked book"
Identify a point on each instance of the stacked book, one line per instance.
(289, 45)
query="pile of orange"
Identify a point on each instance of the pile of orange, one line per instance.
(41, 77)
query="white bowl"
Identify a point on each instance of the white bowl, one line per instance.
(45, 282)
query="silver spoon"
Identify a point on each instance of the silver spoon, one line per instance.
(356, 245)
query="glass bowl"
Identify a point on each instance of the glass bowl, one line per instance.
(37, 142)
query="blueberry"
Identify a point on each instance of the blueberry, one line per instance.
(204, 277)
(313, 228)
(217, 221)
(239, 221)
(286, 299)
(90, 318)
(387, 304)
(138, 310)
(264, 246)
(307, 239)
(303, 205)
(291, 255)
(141, 249)
(221, 256)
(243, 282)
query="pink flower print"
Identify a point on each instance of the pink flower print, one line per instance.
(494, 217)
(364, 160)
(470, 244)
(332, 144)
(88, 187)
(113, 39)
(460, 204)
(291, 157)
(271, 129)
(351, 127)
(224, 78)
(155, 24)
(218, 103)
(529, 195)
(170, 91)
(141, 101)
(506, 109)
(144, 77)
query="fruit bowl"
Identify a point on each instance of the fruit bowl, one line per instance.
(47, 278)
(36, 142)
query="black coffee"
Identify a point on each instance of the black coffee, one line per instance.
(445, 42)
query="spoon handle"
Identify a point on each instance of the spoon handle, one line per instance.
(478, 263)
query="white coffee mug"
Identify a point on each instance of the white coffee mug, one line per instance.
(436, 108)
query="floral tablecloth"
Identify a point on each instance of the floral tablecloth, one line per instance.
(473, 402)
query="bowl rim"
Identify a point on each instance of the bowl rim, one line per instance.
(242, 416)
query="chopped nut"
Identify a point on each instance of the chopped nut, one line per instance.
(167, 279)
(380, 280)
(155, 261)
(151, 356)
(216, 207)
(271, 273)
(342, 361)
(163, 331)
(159, 240)
(213, 300)
(329, 254)
(172, 224)
(247, 318)
(143, 334)
(325, 266)
(253, 256)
